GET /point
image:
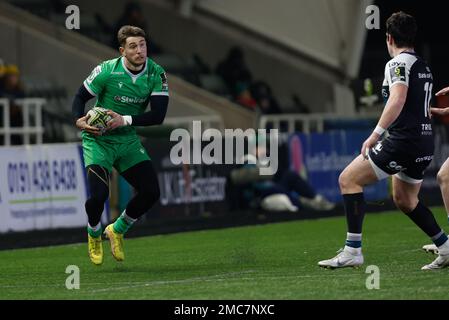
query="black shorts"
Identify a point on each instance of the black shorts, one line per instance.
(404, 160)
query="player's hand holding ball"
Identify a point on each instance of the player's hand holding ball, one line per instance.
(81, 123)
(442, 91)
(116, 121)
(441, 111)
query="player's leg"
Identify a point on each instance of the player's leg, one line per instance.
(98, 159)
(98, 180)
(443, 181)
(405, 196)
(144, 180)
(355, 176)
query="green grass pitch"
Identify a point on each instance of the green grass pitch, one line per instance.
(272, 261)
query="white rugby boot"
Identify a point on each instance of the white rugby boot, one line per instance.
(430, 248)
(442, 261)
(347, 257)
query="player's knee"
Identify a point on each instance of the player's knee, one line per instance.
(344, 181)
(151, 195)
(404, 203)
(95, 204)
(443, 177)
(97, 199)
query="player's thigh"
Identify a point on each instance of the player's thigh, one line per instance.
(129, 154)
(142, 177)
(97, 153)
(98, 180)
(359, 172)
(443, 173)
(405, 193)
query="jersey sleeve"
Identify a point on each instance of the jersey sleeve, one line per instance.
(160, 87)
(396, 71)
(96, 81)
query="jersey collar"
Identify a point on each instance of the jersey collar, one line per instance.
(134, 76)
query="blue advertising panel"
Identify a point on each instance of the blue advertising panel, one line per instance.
(321, 157)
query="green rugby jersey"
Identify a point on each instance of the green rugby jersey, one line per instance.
(117, 89)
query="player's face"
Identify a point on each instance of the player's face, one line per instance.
(135, 50)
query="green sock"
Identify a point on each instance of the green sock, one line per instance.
(94, 233)
(123, 223)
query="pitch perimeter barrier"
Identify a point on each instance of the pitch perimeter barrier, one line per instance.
(321, 157)
(43, 187)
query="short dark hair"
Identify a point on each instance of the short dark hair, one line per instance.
(402, 27)
(129, 31)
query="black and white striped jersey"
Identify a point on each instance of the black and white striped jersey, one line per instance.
(413, 123)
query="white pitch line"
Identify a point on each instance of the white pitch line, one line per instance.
(163, 282)
(214, 279)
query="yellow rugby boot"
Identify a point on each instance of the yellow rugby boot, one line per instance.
(116, 240)
(95, 247)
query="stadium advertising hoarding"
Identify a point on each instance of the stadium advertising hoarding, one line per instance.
(187, 189)
(42, 187)
(321, 157)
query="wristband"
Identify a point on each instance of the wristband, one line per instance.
(379, 130)
(128, 120)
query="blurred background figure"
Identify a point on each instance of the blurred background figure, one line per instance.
(234, 71)
(284, 191)
(133, 15)
(266, 102)
(2, 73)
(12, 89)
(299, 105)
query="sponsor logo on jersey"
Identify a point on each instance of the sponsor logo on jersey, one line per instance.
(397, 72)
(385, 93)
(125, 99)
(426, 128)
(395, 166)
(94, 74)
(425, 158)
(117, 72)
(164, 81)
(424, 75)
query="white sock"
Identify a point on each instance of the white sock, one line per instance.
(444, 248)
(127, 218)
(353, 251)
(95, 228)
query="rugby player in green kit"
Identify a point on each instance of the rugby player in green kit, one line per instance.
(125, 86)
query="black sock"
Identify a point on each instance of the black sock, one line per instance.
(424, 219)
(355, 211)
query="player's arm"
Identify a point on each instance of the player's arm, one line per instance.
(395, 103)
(441, 111)
(158, 104)
(78, 105)
(92, 86)
(442, 91)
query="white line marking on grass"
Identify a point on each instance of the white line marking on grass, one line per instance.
(164, 282)
(215, 278)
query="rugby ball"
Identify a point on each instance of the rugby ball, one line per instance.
(98, 118)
